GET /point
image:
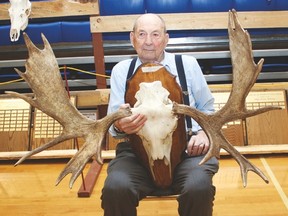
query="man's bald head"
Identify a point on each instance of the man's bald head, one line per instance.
(150, 18)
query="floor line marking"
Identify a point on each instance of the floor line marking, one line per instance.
(275, 182)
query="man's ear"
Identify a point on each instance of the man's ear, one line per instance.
(167, 38)
(132, 38)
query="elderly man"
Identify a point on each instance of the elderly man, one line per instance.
(128, 181)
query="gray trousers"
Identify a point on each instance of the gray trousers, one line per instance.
(128, 182)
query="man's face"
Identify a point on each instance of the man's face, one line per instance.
(149, 38)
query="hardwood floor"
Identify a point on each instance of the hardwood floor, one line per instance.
(28, 189)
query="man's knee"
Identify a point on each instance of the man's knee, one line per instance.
(204, 192)
(117, 186)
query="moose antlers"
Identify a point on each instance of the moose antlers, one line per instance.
(42, 75)
(245, 73)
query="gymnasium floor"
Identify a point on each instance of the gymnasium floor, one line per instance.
(28, 189)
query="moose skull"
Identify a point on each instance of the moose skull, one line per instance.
(19, 12)
(152, 101)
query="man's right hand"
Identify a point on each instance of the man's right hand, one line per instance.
(131, 124)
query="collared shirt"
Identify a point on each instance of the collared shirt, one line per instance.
(200, 96)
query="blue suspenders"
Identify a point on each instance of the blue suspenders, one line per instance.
(182, 78)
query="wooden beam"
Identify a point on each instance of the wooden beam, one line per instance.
(190, 21)
(88, 184)
(91, 99)
(55, 8)
(256, 87)
(85, 99)
(50, 154)
(98, 51)
(110, 154)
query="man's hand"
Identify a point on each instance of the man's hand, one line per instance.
(131, 124)
(198, 144)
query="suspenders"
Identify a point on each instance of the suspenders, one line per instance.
(183, 83)
(131, 69)
(182, 78)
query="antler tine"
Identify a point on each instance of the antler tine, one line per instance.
(240, 45)
(71, 168)
(81, 158)
(209, 123)
(92, 145)
(46, 43)
(15, 94)
(245, 165)
(30, 45)
(59, 139)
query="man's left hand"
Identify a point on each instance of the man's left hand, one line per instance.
(198, 144)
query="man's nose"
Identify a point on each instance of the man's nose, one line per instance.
(148, 39)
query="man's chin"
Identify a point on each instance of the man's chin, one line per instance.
(146, 59)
